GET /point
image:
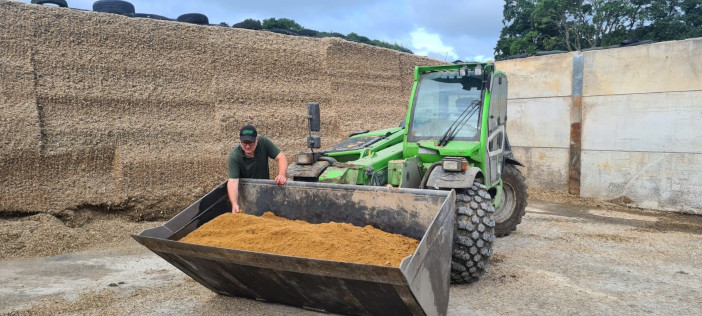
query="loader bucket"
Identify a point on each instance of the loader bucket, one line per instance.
(419, 286)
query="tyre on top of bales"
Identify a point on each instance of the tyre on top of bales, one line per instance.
(194, 18)
(114, 6)
(60, 3)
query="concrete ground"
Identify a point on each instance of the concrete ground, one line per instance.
(563, 259)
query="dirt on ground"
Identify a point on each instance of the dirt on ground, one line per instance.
(44, 235)
(580, 257)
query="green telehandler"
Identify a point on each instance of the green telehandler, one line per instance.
(453, 138)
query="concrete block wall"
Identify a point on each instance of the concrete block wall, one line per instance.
(627, 127)
(538, 122)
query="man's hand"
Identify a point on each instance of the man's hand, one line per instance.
(233, 192)
(280, 179)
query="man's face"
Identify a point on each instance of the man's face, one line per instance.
(249, 147)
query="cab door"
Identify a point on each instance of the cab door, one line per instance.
(497, 119)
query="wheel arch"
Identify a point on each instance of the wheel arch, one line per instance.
(513, 161)
(460, 179)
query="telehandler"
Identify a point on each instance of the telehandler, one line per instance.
(454, 137)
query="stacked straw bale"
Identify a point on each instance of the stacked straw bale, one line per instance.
(138, 115)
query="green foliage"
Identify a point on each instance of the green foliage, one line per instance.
(250, 24)
(365, 40)
(288, 26)
(357, 38)
(223, 24)
(331, 34)
(282, 23)
(672, 20)
(538, 25)
(308, 32)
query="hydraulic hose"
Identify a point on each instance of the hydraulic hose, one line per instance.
(329, 159)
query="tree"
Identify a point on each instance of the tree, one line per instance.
(290, 27)
(331, 34)
(308, 32)
(250, 24)
(518, 34)
(358, 38)
(282, 23)
(533, 25)
(672, 19)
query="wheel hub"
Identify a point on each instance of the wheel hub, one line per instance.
(509, 202)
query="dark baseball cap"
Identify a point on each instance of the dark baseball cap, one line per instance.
(248, 133)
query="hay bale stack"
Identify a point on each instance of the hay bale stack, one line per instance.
(138, 114)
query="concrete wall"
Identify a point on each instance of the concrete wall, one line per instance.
(634, 118)
(538, 117)
(140, 115)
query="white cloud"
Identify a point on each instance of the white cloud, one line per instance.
(430, 44)
(479, 58)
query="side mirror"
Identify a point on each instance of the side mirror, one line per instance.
(478, 71)
(314, 142)
(313, 116)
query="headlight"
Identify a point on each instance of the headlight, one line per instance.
(454, 164)
(304, 159)
(451, 166)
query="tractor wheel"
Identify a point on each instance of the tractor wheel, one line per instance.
(514, 202)
(474, 234)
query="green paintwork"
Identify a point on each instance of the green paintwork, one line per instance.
(393, 136)
(341, 175)
(395, 171)
(388, 155)
(354, 172)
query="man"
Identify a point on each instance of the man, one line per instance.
(250, 160)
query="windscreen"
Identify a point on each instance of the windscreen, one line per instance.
(440, 99)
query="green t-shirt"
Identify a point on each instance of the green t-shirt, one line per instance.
(241, 166)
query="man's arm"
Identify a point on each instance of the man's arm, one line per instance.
(233, 192)
(280, 179)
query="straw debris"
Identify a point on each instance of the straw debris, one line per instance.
(139, 115)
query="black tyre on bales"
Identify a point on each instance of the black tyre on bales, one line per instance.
(474, 234)
(114, 6)
(194, 18)
(60, 3)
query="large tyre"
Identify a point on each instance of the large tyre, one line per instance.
(194, 18)
(60, 3)
(474, 234)
(514, 202)
(114, 6)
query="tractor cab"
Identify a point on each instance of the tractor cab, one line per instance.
(443, 100)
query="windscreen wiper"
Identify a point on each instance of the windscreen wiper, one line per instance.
(461, 121)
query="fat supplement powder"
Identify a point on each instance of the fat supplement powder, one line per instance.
(329, 241)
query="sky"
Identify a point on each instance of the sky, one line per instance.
(445, 30)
